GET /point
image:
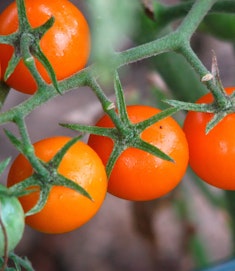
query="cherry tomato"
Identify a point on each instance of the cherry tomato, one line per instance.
(12, 217)
(212, 155)
(65, 209)
(66, 44)
(138, 175)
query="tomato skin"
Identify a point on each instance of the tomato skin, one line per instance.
(212, 156)
(12, 217)
(138, 175)
(65, 209)
(66, 44)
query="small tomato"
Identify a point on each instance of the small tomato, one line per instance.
(138, 175)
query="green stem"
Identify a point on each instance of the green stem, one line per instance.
(201, 70)
(22, 15)
(28, 149)
(29, 60)
(107, 105)
(194, 17)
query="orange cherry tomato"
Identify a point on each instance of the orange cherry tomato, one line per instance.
(66, 44)
(138, 175)
(65, 209)
(212, 155)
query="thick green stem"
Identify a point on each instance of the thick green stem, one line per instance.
(194, 17)
(108, 106)
(196, 63)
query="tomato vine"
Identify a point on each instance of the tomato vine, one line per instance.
(26, 42)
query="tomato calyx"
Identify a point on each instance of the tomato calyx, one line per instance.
(37, 182)
(222, 104)
(125, 134)
(26, 46)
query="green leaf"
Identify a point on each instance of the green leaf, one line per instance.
(47, 65)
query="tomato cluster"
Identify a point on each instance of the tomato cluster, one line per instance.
(137, 174)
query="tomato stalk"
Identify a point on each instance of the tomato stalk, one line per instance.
(171, 42)
(124, 134)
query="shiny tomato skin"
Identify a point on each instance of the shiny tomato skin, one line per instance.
(138, 175)
(65, 209)
(66, 44)
(212, 155)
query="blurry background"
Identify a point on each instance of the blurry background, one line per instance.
(188, 229)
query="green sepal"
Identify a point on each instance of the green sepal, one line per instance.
(43, 196)
(116, 152)
(145, 146)
(63, 181)
(56, 160)
(90, 129)
(14, 140)
(159, 116)
(4, 164)
(120, 100)
(15, 59)
(214, 121)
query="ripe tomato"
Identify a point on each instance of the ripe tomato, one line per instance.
(212, 155)
(66, 44)
(12, 217)
(65, 209)
(138, 175)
